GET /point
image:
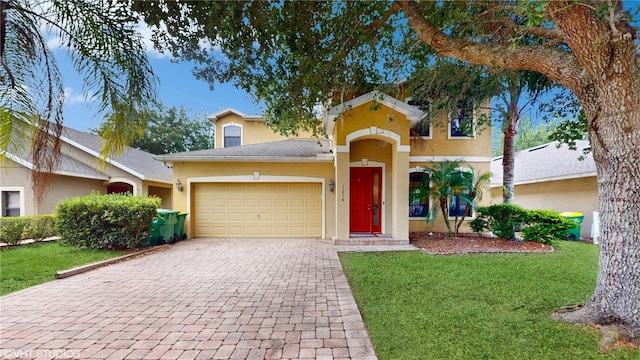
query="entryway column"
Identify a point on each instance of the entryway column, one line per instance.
(342, 195)
(400, 195)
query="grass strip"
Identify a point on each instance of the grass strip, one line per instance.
(419, 306)
(25, 266)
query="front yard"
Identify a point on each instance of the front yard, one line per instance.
(29, 265)
(419, 306)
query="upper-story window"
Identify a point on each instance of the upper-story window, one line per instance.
(232, 135)
(423, 127)
(461, 121)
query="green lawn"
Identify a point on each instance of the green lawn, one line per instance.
(28, 265)
(419, 306)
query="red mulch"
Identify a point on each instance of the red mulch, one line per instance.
(437, 243)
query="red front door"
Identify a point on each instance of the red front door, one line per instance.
(366, 198)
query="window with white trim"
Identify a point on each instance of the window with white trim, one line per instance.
(423, 127)
(10, 203)
(461, 121)
(459, 206)
(418, 201)
(232, 135)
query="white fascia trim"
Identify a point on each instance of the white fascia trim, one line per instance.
(261, 179)
(20, 161)
(20, 190)
(412, 113)
(215, 116)
(108, 160)
(476, 159)
(328, 158)
(552, 178)
(31, 167)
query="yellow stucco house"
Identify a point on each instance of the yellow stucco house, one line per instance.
(352, 187)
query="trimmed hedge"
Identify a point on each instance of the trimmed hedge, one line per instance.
(107, 222)
(42, 226)
(14, 229)
(543, 226)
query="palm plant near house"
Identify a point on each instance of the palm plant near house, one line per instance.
(473, 192)
(452, 184)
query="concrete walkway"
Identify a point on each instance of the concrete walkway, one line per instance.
(199, 299)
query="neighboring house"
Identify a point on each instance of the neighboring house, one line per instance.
(79, 173)
(352, 187)
(553, 178)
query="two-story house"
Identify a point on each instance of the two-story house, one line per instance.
(352, 187)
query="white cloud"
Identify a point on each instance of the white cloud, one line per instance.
(72, 98)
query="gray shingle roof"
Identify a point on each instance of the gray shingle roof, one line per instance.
(135, 160)
(546, 163)
(67, 166)
(286, 150)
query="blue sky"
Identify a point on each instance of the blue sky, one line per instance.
(178, 87)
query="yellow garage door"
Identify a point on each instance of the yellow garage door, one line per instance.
(231, 210)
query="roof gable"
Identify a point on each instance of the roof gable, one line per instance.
(136, 162)
(222, 113)
(412, 113)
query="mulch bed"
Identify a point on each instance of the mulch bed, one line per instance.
(440, 244)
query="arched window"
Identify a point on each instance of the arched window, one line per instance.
(232, 135)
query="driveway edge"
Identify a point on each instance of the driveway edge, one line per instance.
(88, 267)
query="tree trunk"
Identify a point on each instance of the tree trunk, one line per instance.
(614, 132)
(444, 209)
(509, 157)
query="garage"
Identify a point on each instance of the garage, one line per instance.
(268, 210)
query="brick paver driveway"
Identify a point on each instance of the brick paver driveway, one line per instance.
(199, 299)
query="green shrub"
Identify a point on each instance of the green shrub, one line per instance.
(109, 222)
(500, 219)
(12, 229)
(40, 227)
(546, 226)
(543, 226)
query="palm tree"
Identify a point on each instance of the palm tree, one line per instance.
(452, 184)
(101, 40)
(474, 184)
(439, 185)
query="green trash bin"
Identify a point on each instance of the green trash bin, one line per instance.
(180, 225)
(167, 230)
(154, 232)
(574, 233)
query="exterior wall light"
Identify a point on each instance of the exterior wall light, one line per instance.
(179, 185)
(331, 185)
